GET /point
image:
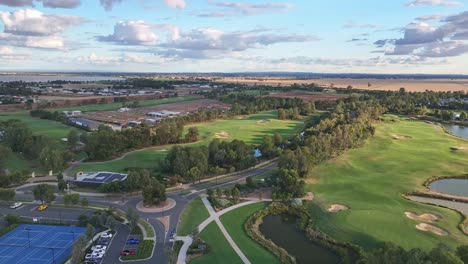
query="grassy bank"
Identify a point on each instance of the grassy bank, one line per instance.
(234, 223)
(220, 250)
(193, 215)
(370, 181)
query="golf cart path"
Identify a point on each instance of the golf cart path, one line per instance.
(214, 216)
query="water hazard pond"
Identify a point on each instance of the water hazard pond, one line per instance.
(451, 186)
(461, 131)
(282, 230)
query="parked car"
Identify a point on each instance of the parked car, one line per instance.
(103, 242)
(42, 207)
(133, 241)
(97, 256)
(99, 252)
(99, 247)
(106, 235)
(127, 253)
(16, 205)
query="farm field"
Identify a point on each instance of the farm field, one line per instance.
(411, 85)
(220, 250)
(370, 181)
(193, 215)
(234, 223)
(308, 97)
(249, 129)
(115, 106)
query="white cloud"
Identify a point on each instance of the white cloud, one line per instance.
(131, 33)
(433, 3)
(114, 60)
(250, 9)
(421, 39)
(351, 24)
(175, 3)
(30, 22)
(210, 43)
(7, 54)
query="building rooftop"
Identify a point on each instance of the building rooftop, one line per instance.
(98, 178)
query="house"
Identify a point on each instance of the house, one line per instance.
(96, 179)
(88, 124)
(134, 123)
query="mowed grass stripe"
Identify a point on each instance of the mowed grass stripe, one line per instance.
(234, 223)
(371, 179)
(220, 250)
(192, 216)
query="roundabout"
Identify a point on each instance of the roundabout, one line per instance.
(167, 205)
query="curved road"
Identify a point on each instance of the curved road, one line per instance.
(163, 245)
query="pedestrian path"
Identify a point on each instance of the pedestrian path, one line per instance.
(214, 216)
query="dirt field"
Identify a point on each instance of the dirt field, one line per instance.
(414, 85)
(140, 113)
(308, 97)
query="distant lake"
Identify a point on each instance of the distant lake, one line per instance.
(62, 77)
(460, 131)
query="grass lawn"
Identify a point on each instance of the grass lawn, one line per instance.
(370, 181)
(246, 128)
(250, 129)
(234, 223)
(193, 215)
(49, 128)
(220, 250)
(144, 251)
(115, 106)
(146, 159)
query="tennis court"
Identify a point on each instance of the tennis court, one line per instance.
(38, 244)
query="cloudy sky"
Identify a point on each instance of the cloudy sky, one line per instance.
(369, 36)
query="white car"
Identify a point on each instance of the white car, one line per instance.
(97, 256)
(106, 235)
(98, 252)
(16, 205)
(99, 247)
(88, 257)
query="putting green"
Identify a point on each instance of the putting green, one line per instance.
(250, 129)
(370, 181)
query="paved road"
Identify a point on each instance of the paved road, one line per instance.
(30, 210)
(162, 239)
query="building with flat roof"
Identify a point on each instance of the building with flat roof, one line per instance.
(96, 179)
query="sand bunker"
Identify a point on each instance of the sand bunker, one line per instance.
(423, 217)
(263, 122)
(222, 134)
(430, 228)
(458, 148)
(400, 137)
(336, 208)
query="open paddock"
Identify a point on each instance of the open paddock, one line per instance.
(139, 113)
(308, 97)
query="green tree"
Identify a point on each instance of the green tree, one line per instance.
(89, 233)
(52, 158)
(235, 194)
(7, 194)
(84, 202)
(44, 193)
(463, 116)
(16, 135)
(12, 219)
(192, 134)
(462, 253)
(132, 217)
(78, 252)
(73, 138)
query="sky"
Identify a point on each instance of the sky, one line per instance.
(332, 36)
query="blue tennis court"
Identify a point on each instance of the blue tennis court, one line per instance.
(38, 244)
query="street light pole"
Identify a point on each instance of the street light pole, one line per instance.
(73, 232)
(53, 255)
(29, 240)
